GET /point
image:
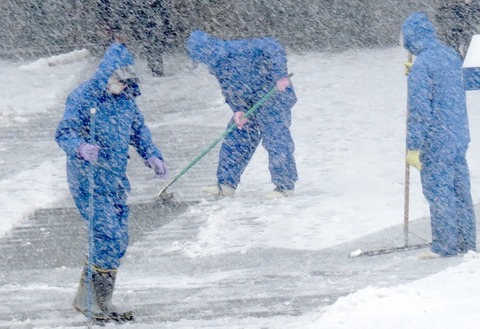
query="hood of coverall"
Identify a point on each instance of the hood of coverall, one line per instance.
(117, 56)
(205, 48)
(418, 33)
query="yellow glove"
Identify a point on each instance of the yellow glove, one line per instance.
(413, 159)
(408, 66)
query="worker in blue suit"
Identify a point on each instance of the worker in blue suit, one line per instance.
(101, 121)
(246, 70)
(438, 137)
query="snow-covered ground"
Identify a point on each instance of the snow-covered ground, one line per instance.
(349, 130)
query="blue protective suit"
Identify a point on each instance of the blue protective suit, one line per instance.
(437, 125)
(118, 123)
(246, 70)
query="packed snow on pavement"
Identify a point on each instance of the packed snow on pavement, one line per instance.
(349, 130)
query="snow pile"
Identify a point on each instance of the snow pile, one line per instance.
(444, 300)
(71, 57)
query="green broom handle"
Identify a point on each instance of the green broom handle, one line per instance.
(262, 101)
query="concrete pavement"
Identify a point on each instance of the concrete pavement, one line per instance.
(41, 259)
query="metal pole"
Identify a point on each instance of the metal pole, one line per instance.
(91, 183)
(406, 201)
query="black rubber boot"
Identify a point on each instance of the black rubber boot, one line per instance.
(103, 284)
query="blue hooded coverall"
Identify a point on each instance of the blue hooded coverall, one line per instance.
(246, 70)
(118, 123)
(437, 126)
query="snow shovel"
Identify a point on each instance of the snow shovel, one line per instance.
(163, 196)
(406, 210)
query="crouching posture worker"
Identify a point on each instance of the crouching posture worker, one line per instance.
(100, 122)
(246, 70)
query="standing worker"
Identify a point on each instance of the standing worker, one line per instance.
(111, 92)
(438, 137)
(246, 70)
(145, 22)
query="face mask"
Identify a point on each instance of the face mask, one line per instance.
(124, 80)
(115, 87)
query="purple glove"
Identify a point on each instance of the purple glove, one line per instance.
(158, 166)
(89, 152)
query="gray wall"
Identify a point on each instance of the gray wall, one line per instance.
(41, 27)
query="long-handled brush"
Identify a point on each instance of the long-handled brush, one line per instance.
(163, 195)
